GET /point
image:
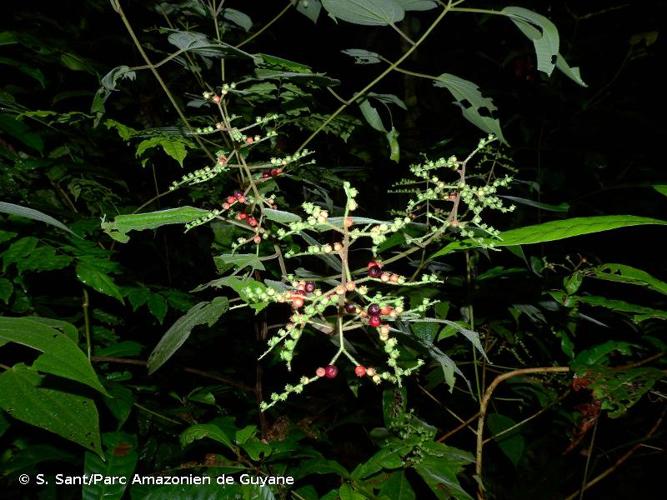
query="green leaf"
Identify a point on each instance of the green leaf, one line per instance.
(173, 146)
(417, 5)
(440, 475)
(472, 103)
(68, 415)
(6, 290)
(397, 487)
(320, 466)
(121, 461)
(201, 431)
(365, 12)
(554, 231)
(362, 56)
(21, 132)
(661, 188)
(599, 355)
(372, 116)
(389, 457)
(280, 216)
(641, 313)
(237, 17)
(626, 274)
(309, 8)
(123, 224)
(61, 355)
(511, 444)
(157, 305)
(97, 280)
(239, 261)
(347, 492)
(203, 313)
(541, 31)
(573, 74)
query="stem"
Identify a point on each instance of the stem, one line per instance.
(622, 459)
(148, 62)
(588, 459)
(266, 26)
(485, 403)
(86, 320)
(381, 76)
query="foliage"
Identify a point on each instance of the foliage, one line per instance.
(214, 264)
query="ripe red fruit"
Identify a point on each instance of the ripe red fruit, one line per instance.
(231, 199)
(266, 174)
(374, 321)
(374, 272)
(310, 287)
(252, 221)
(360, 371)
(350, 308)
(275, 171)
(243, 216)
(373, 310)
(330, 371)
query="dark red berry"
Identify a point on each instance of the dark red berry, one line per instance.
(275, 171)
(373, 310)
(266, 175)
(374, 272)
(360, 371)
(309, 287)
(330, 371)
(238, 194)
(350, 308)
(374, 321)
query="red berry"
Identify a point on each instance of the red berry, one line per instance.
(249, 140)
(275, 171)
(374, 272)
(330, 371)
(350, 308)
(374, 321)
(225, 205)
(252, 221)
(360, 371)
(231, 199)
(320, 372)
(310, 287)
(373, 310)
(373, 264)
(243, 216)
(238, 194)
(257, 239)
(266, 175)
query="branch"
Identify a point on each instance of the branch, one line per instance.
(622, 459)
(485, 403)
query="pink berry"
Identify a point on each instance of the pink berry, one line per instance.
(374, 321)
(330, 371)
(320, 372)
(360, 371)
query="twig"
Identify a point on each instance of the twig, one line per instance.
(86, 320)
(266, 26)
(485, 403)
(622, 459)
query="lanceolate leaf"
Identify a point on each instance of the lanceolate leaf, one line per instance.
(472, 103)
(68, 415)
(201, 431)
(626, 274)
(10, 208)
(203, 313)
(61, 356)
(365, 12)
(554, 231)
(98, 280)
(123, 224)
(541, 31)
